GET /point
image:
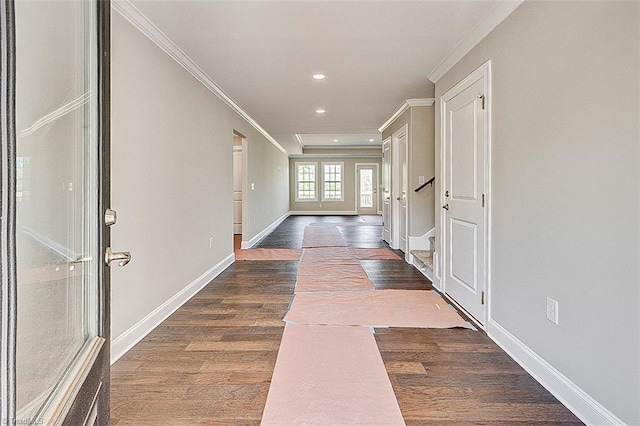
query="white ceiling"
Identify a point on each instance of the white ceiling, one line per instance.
(375, 55)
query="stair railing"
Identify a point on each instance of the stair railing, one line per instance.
(429, 182)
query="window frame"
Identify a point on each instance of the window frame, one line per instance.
(298, 181)
(324, 180)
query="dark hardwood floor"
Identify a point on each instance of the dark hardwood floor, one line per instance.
(211, 362)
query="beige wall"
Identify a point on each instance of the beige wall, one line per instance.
(421, 155)
(348, 206)
(172, 144)
(565, 185)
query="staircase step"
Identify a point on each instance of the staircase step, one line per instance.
(423, 258)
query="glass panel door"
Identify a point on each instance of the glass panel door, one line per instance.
(366, 176)
(57, 229)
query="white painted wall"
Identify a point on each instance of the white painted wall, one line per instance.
(172, 177)
(565, 189)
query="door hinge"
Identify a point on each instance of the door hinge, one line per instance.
(483, 297)
(481, 97)
(482, 200)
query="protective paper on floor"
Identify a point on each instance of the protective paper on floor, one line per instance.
(268, 254)
(387, 308)
(329, 255)
(322, 236)
(330, 376)
(374, 254)
(314, 277)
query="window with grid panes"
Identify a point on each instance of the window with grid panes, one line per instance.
(306, 179)
(332, 178)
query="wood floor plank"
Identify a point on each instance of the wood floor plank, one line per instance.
(211, 362)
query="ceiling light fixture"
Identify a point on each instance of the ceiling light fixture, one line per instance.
(335, 140)
(371, 140)
(318, 76)
(320, 111)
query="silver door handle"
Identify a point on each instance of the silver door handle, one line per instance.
(446, 206)
(124, 257)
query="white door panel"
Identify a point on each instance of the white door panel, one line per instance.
(464, 167)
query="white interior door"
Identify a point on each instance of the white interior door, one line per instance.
(399, 186)
(386, 191)
(237, 190)
(465, 137)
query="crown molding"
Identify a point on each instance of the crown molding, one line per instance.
(340, 147)
(405, 105)
(134, 16)
(488, 23)
(332, 156)
(299, 140)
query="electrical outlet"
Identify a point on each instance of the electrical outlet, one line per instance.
(253, 186)
(211, 242)
(319, 205)
(552, 310)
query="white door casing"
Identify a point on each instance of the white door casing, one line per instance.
(464, 192)
(386, 191)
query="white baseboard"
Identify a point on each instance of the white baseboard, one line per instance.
(585, 407)
(263, 233)
(121, 344)
(324, 213)
(426, 271)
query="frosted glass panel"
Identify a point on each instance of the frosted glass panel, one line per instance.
(56, 197)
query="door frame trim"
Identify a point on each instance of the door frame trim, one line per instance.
(390, 218)
(483, 71)
(396, 164)
(8, 273)
(357, 183)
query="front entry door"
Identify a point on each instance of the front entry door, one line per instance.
(367, 188)
(464, 211)
(55, 313)
(386, 191)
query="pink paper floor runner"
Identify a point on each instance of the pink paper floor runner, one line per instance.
(388, 308)
(268, 254)
(326, 375)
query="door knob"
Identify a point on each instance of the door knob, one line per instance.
(398, 198)
(446, 206)
(123, 257)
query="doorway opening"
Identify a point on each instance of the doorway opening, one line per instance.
(239, 152)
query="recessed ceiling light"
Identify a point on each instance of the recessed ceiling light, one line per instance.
(335, 140)
(318, 76)
(371, 140)
(320, 111)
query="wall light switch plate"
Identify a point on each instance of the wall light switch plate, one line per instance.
(552, 310)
